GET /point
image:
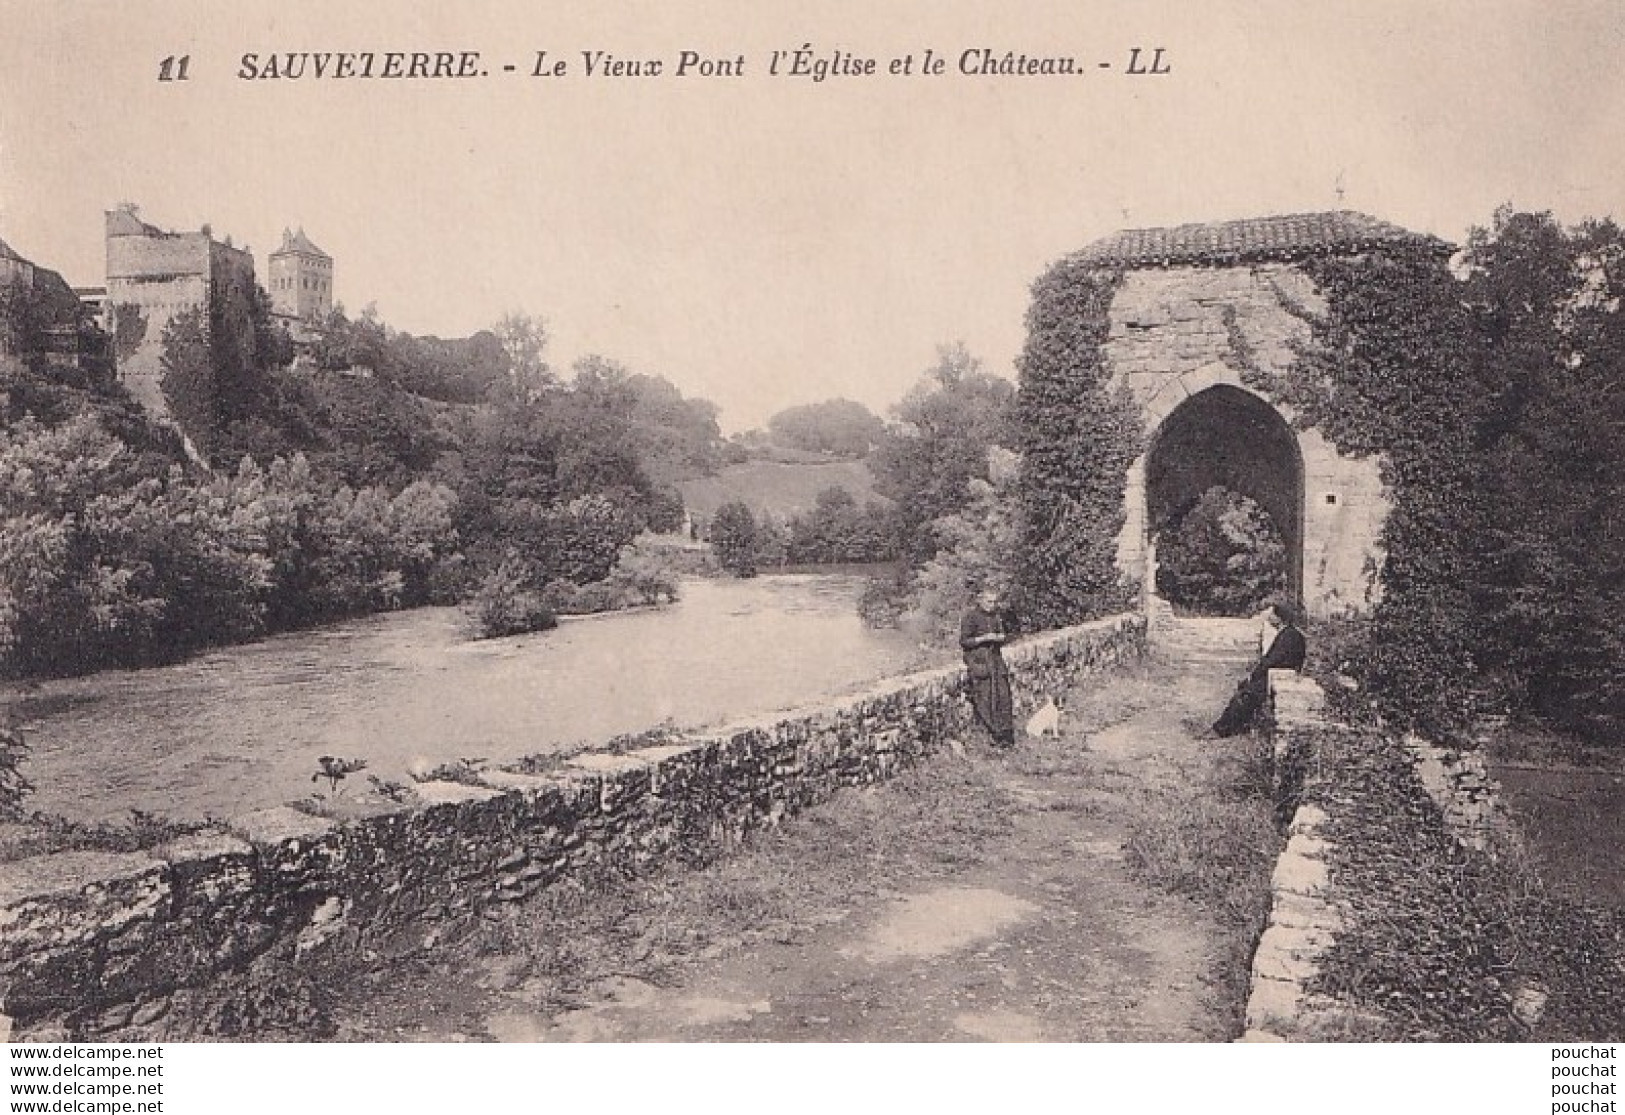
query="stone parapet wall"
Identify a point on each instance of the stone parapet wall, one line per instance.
(1460, 784)
(1304, 919)
(90, 942)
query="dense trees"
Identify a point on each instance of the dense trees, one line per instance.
(465, 370)
(1223, 556)
(1544, 302)
(105, 560)
(1494, 400)
(837, 531)
(838, 427)
(945, 426)
(369, 485)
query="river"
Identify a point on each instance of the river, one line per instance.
(242, 727)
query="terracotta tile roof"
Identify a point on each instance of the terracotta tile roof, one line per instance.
(1289, 237)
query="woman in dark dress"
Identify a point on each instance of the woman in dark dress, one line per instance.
(981, 634)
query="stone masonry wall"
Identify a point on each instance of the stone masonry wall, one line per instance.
(1304, 918)
(89, 941)
(152, 279)
(1172, 335)
(1468, 797)
(141, 310)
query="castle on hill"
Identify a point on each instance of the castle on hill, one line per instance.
(154, 276)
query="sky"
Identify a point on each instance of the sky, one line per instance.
(765, 241)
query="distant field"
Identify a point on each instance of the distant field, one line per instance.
(779, 488)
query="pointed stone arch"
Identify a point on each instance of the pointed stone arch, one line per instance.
(1179, 333)
(1223, 435)
(1205, 427)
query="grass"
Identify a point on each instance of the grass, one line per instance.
(778, 488)
(1211, 837)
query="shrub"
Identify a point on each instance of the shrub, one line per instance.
(13, 786)
(568, 599)
(506, 605)
(733, 538)
(644, 574)
(1222, 557)
(885, 598)
(580, 541)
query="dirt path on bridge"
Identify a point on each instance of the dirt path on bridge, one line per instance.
(979, 897)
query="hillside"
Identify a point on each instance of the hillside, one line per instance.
(779, 488)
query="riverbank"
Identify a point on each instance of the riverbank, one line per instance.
(1568, 801)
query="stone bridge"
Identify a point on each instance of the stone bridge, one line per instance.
(95, 943)
(1044, 932)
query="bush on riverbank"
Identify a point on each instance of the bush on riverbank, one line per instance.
(110, 559)
(519, 596)
(505, 604)
(733, 539)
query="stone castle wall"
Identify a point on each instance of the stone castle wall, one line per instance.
(1173, 334)
(151, 280)
(90, 941)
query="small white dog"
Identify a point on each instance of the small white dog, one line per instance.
(1046, 721)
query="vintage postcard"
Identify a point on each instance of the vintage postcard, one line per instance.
(841, 522)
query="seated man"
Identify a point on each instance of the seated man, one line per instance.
(1286, 652)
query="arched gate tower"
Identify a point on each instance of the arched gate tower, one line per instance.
(1197, 305)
